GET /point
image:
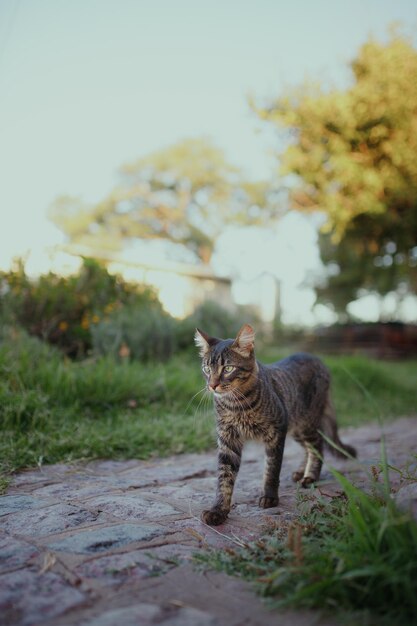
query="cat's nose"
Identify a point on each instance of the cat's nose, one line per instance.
(213, 386)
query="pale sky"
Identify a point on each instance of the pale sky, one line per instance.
(86, 85)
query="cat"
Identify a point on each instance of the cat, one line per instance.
(265, 402)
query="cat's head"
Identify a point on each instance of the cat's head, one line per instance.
(227, 364)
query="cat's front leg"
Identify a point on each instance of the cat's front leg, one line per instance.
(274, 448)
(229, 457)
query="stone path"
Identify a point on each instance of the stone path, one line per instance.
(110, 543)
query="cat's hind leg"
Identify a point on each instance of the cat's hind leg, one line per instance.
(299, 473)
(312, 470)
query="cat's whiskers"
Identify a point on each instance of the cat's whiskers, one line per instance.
(191, 400)
(204, 403)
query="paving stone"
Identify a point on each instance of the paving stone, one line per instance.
(62, 469)
(164, 472)
(27, 478)
(71, 490)
(183, 490)
(111, 467)
(253, 512)
(129, 566)
(116, 569)
(103, 539)
(141, 614)
(12, 504)
(46, 474)
(188, 495)
(188, 616)
(149, 614)
(14, 553)
(226, 535)
(130, 507)
(28, 597)
(46, 521)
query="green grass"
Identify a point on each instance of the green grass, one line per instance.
(355, 555)
(53, 409)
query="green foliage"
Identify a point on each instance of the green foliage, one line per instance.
(140, 333)
(148, 333)
(356, 552)
(53, 409)
(63, 310)
(96, 312)
(353, 156)
(185, 194)
(216, 320)
(365, 389)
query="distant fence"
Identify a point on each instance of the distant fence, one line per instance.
(381, 340)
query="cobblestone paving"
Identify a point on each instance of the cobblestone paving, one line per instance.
(110, 543)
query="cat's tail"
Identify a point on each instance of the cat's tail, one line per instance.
(340, 449)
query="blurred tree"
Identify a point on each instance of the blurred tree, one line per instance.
(354, 157)
(186, 194)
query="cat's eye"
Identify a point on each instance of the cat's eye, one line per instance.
(229, 368)
(206, 369)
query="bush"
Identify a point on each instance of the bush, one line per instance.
(215, 320)
(141, 333)
(148, 333)
(94, 310)
(63, 310)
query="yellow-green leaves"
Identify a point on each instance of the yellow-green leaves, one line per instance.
(354, 156)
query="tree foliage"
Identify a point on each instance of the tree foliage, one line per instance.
(352, 155)
(184, 194)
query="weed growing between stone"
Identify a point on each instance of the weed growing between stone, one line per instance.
(355, 553)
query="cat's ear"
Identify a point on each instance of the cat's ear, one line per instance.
(203, 341)
(245, 341)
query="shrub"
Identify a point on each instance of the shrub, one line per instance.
(142, 333)
(94, 310)
(63, 310)
(215, 320)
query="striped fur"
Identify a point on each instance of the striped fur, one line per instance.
(256, 401)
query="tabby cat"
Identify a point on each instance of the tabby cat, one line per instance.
(265, 402)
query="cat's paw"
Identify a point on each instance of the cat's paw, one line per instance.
(297, 476)
(214, 517)
(266, 502)
(307, 482)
